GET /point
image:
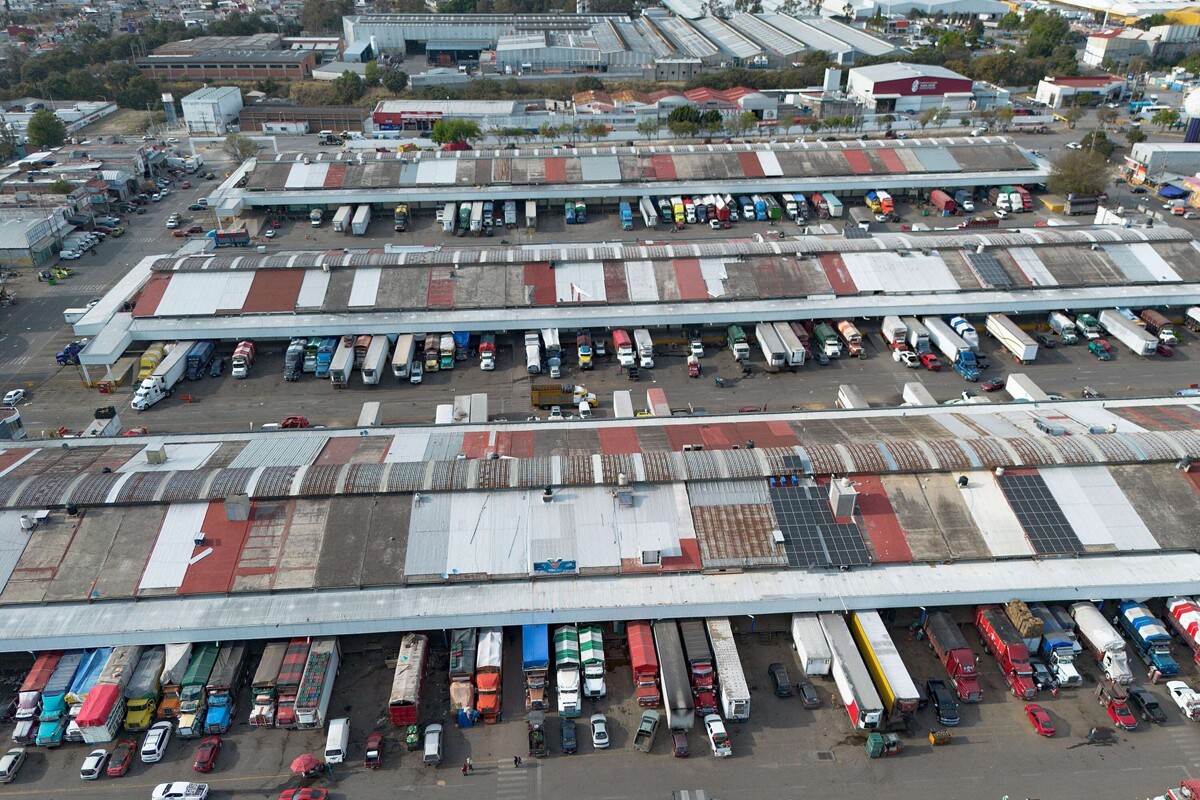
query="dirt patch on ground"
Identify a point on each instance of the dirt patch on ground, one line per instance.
(126, 121)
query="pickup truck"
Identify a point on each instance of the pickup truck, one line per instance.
(943, 702)
(1186, 698)
(644, 738)
(1145, 704)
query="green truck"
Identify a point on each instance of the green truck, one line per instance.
(736, 339)
(192, 696)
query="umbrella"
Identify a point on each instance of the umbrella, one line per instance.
(305, 763)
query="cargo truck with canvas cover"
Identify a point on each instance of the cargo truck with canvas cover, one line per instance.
(1056, 648)
(811, 647)
(462, 675)
(404, 703)
(566, 665)
(316, 687)
(288, 683)
(46, 729)
(644, 663)
(731, 680)
(87, 675)
(100, 717)
(1183, 615)
(591, 657)
(1103, 641)
(487, 673)
(29, 696)
(677, 691)
(143, 689)
(896, 689)
(262, 685)
(535, 664)
(858, 694)
(193, 697)
(952, 651)
(1150, 638)
(223, 687)
(178, 656)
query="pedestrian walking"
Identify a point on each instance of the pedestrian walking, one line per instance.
(464, 769)
(517, 761)
(470, 765)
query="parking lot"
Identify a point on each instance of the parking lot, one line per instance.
(784, 749)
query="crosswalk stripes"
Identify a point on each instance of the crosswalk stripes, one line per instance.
(18, 361)
(512, 782)
(1185, 739)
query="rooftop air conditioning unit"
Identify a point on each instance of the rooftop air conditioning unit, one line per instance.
(651, 558)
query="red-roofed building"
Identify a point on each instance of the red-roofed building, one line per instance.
(735, 101)
(1061, 91)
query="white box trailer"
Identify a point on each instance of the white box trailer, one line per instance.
(531, 214)
(735, 693)
(362, 218)
(341, 220)
(371, 415)
(770, 344)
(623, 404)
(811, 647)
(1129, 334)
(858, 694)
(406, 346)
(479, 407)
(649, 212)
(1022, 387)
(915, 394)
(793, 349)
(1008, 333)
(449, 217)
(849, 396)
(376, 361)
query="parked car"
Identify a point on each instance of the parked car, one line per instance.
(121, 758)
(294, 421)
(416, 371)
(217, 367)
(779, 679)
(93, 765)
(992, 385)
(14, 397)
(10, 764)
(1041, 675)
(155, 743)
(206, 754)
(599, 731)
(70, 255)
(197, 207)
(808, 694)
(185, 185)
(1145, 704)
(1164, 350)
(180, 790)
(1045, 341)
(570, 744)
(1040, 719)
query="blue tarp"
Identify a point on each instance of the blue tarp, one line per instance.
(535, 647)
(1170, 192)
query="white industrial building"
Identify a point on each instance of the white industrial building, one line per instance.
(909, 88)
(1160, 43)
(74, 115)
(866, 9)
(1063, 91)
(212, 110)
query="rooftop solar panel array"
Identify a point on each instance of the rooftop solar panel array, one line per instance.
(1040, 515)
(812, 537)
(989, 271)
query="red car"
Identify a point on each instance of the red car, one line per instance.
(122, 757)
(185, 185)
(179, 233)
(1164, 350)
(307, 793)
(206, 754)
(1120, 714)
(930, 362)
(195, 229)
(295, 421)
(992, 385)
(374, 755)
(1104, 343)
(1040, 719)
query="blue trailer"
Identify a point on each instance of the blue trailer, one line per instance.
(198, 359)
(1150, 638)
(535, 663)
(626, 216)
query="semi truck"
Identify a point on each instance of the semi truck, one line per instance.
(623, 346)
(623, 404)
(376, 361)
(650, 212)
(677, 691)
(833, 205)
(1064, 326)
(583, 349)
(1132, 336)
(316, 686)
(827, 340)
(448, 216)
(966, 331)
(950, 646)
(548, 395)
(462, 674)
(262, 685)
(731, 680)
(29, 695)
(700, 665)
(487, 351)
(918, 335)
(1022, 387)
(404, 702)
(446, 349)
(100, 716)
(1088, 326)
(291, 672)
(626, 216)
(402, 356)
(644, 663)
(143, 690)
(858, 694)
(1003, 642)
(1160, 326)
(1183, 614)
(341, 366)
(1056, 648)
(48, 719)
(964, 201)
(770, 344)
(400, 217)
(223, 686)
(533, 353)
(243, 359)
(566, 675)
(464, 218)
(553, 351)
(488, 677)
(178, 657)
(894, 332)
(896, 689)
(1150, 639)
(535, 664)
(192, 695)
(952, 346)
(199, 357)
(849, 396)
(164, 379)
(793, 349)
(811, 647)
(853, 339)
(293, 359)
(1104, 643)
(645, 348)
(591, 656)
(1009, 334)
(735, 340)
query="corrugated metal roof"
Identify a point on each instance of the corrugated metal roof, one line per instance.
(1158, 266)
(1097, 508)
(278, 449)
(938, 161)
(579, 283)
(772, 38)
(12, 543)
(994, 517)
(314, 288)
(729, 40)
(180, 456)
(600, 169)
(900, 272)
(204, 293)
(727, 493)
(366, 287)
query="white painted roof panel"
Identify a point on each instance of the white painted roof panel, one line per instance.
(894, 272)
(174, 547)
(994, 517)
(1027, 259)
(639, 277)
(579, 282)
(1155, 263)
(366, 286)
(313, 289)
(180, 456)
(12, 543)
(407, 447)
(770, 164)
(1097, 508)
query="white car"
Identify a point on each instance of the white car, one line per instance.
(180, 790)
(1074, 146)
(1185, 697)
(155, 743)
(906, 357)
(599, 732)
(416, 372)
(69, 255)
(10, 763)
(1001, 213)
(270, 233)
(14, 397)
(93, 765)
(156, 196)
(165, 191)
(718, 739)
(173, 140)
(172, 223)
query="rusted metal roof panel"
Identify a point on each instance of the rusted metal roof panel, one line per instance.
(364, 478)
(406, 476)
(320, 480)
(229, 481)
(737, 536)
(275, 482)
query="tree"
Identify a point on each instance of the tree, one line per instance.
(741, 124)
(395, 80)
(1097, 141)
(60, 187)
(139, 92)
(9, 146)
(1046, 31)
(325, 16)
(349, 87)
(1165, 118)
(594, 131)
(1135, 136)
(1078, 172)
(45, 129)
(448, 131)
(927, 116)
(239, 147)
(649, 127)
(1073, 115)
(1106, 116)
(1004, 116)
(684, 114)
(1154, 20)
(683, 130)
(371, 74)
(711, 121)
(588, 83)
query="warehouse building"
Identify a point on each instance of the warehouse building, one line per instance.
(225, 65)
(867, 9)
(1162, 43)
(1069, 90)
(30, 237)
(212, 110)
(909, 88)
(288, 117)
(1155, 161)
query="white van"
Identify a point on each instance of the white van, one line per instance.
(433, 745)
(338, 741)
(585, 410)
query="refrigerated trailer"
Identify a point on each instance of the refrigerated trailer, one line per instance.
(731, 681)
(649, 212)
(858, 694)
(1016, 341)
(793, 348)
(406, 345)
(376, 360)
(811, 647)
(896, 688)
(770, 344)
